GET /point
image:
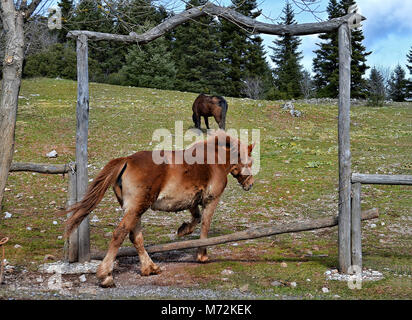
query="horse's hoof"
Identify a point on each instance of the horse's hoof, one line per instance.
(202, 258)
(182, 230)
(152, 269)
(108, 282)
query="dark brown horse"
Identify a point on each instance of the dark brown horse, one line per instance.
(139, 183)
(209, 106)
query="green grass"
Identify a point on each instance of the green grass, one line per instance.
(298, 180)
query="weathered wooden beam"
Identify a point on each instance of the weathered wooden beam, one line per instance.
(238, 236)
(82, 117)
(344, 148)
(210, 9)
(40, 167)
(397, 179)
(71, 245)
(356, 228)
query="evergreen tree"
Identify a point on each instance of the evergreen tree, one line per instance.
(409, 61)
(398, 84)
(121, 16)
(288, 71)
(198, 55)
(376, 88)
(409, 66)
(244, 55)
(152, 67)
(326, 62)
(66, 7)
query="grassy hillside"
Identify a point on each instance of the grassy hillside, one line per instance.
(298, 181)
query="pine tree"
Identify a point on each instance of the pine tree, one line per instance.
(398, 85)
(244, 55)
(376, 88)
(198, 55)
(409, 60)
(326, 62)
(288, 71)
(152, 67)
(409, 66)
(66, 7)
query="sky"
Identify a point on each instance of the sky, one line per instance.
(387, 30)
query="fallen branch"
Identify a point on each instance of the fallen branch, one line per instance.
(252, 233)
(40, 167)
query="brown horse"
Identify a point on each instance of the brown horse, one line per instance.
(209, 106)
(139, 183)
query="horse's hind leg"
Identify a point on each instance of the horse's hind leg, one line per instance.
(148, 267)
(196, 120)
(187, 228)
(105, 269)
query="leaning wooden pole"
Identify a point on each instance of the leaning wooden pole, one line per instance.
(344, 149)
(71, 245)
(356, 230)
(82, 116)
(242, 235)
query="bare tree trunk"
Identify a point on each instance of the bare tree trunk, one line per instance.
(13, 22)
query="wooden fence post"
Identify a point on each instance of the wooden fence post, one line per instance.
(71, 248)
(344, 233)
(356, 228)
(82, 116)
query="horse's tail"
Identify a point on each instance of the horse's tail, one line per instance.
(106, 178)
(224, 106)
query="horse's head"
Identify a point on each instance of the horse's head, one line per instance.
(238, 158)
(242, 170)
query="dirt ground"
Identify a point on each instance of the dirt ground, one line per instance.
(175, 282)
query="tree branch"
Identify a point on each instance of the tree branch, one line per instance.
(254, 26)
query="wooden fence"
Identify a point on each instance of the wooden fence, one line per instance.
(357, 180)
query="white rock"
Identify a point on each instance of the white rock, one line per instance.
(82, 278)
(293, 284)
(325, 290)
(52, 154)
(373, 225)
(227, 272)
(55, 282)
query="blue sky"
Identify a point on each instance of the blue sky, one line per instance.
(387, 30)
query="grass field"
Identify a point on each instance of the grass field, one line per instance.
(297, 181)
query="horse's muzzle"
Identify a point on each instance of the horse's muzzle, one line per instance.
(248, 187)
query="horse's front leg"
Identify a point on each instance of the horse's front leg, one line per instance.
(207, 215)
(206, 122)
(187, 228)
(148, 267)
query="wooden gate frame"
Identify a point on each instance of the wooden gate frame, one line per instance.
(344, 156)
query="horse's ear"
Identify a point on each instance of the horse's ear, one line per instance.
(250, 148)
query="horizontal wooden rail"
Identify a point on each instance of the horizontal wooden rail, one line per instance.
(382, 179)
(242, 235)
(233, 16)
(40, 167)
